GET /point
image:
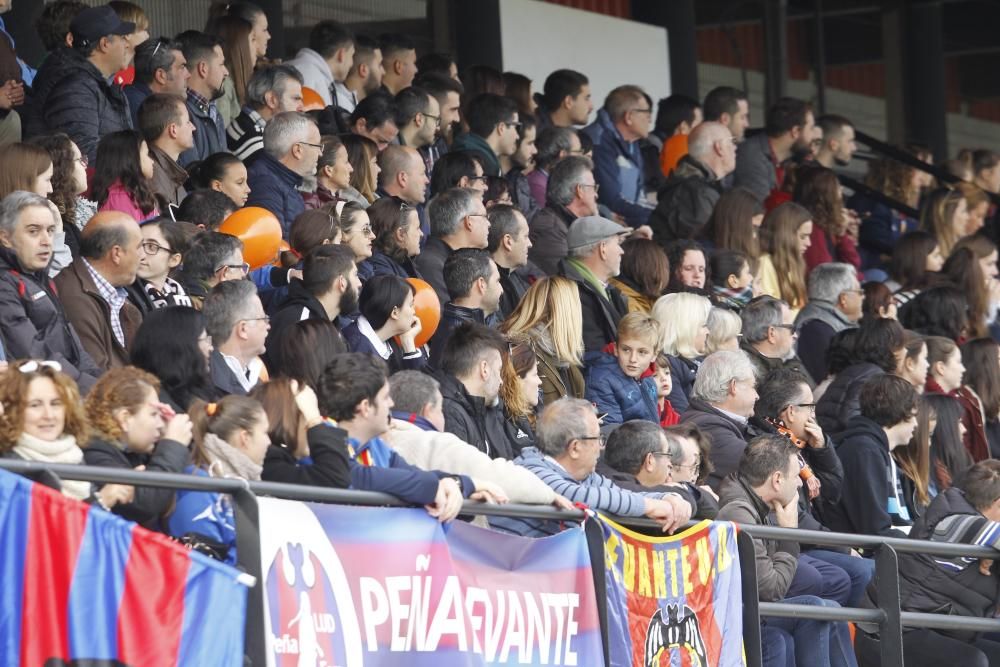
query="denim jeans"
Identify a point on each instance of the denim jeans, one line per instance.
(777, 647)
(817, 643)
(859, 570)
(819, 577)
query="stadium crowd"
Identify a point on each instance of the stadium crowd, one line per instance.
(648, 309)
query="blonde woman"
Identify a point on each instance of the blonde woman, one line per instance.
(785, 237)
(550, 320)
(683, 319)
(945, 214)
(724, 328)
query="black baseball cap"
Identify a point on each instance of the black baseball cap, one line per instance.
(95, 22)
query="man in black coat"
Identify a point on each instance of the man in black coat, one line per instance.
(595, 255)
(474, 284)
(458, 220)
(72, 92)
(509, 244)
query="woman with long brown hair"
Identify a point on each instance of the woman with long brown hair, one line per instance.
(645, 273)
(972, 267)
(881, 226)
(785, 237)
(240, 52)
(734, 224)
(819, 191)
(69, 182)
(981, 358)
(520, 391)
(362, 153)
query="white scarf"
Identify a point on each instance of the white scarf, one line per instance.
(61, 450)
(227, 461)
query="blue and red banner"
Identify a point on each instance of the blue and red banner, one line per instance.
(674, 601)
(79, 585)
(390, 587)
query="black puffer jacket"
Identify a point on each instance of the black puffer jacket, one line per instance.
(841, 402)
(71, 95)
(476, 423)
(686, 202)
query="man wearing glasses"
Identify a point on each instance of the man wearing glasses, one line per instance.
(769, 336)
(291, 150)
(493, 130)
(569, 446)
(235, 319)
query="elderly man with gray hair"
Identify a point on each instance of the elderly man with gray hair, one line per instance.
(569, 445)
(291, 150)
(695, 185)
(571, 194)
(769, 337)
(235, 319)
(458, 220)
(835, 299)
(722, 402)
(271, 90)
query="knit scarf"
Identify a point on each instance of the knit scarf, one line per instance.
(61, 450)
(227, 461)
(589, 276)
(734, 297)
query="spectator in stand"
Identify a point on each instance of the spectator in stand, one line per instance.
(395, 227)
(565, 100)
(617, 383)
(207, 65)
(399, 60)
(724, 328)
(92, 289)
(474, 285)
(509, 243)
(166, 126)
(870, 503)
(972, 267)
(53, 23)
(569, 446)
(638, 458)
(122, 176)
(235, 319)
(44, 421)
(767, 480)
(879, 346)
(69, 182)
(34, 323)
(913, 367)
(224, 173)
(458, 169)
(877, 301)
(625, 119)
(326, 63)
(549, 319)
(732, 280)
(683, 318)
(362, 154)
(689, 267)
(722, 401)
(730, 107)
(913, 462)
(458, 220)
(789, 131)
(945, 375)
(645, 272)
(520, 394)
(769, 337)
(365, 75)
(946, 216)
(982, 378)
(837, 147)
(291, 151)
(691, 464)
(205, 209)
(734, 223)
(448, 92)
(938, 311)
(78, 79)
(160, 67)
(386, 305)
(310, 230)
(333, 174)
(835, 304)
(915, 261)
(553, 144)
(172, 344)
(439, 64)
(676, 116)
(235, 35)
(230, 440)
(978, 204)
(418, 117)
(948, 459)
(304, 448)
(271, 90)
(328, 289)
(785, 238)
(311, 345)
(986, 170)
(882, 226)
(403, 175)
(132, 429)
(29, 168)
(493, 130)
(687, 200)
(595, 255)
(572, 194)
(418, 436)
(375, 118)
(164, 243)
(519, 166)
(818, 191)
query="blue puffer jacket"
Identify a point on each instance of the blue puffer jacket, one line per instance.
(621, 397)
(273, 186)
(618, 170)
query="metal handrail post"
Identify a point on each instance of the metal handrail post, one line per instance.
(887, 586)
(751, 610)
(247, 516)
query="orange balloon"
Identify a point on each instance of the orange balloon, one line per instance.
(284, 247)
(260, 232)
(311, 101)
(428, 308)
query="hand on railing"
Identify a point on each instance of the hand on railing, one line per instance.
(563, 503)
(488, 492)
(448, 501)
(113, 494)
(666, 512)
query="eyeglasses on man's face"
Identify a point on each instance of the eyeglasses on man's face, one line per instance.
(243, 268)
(152, 247)
(602, 439)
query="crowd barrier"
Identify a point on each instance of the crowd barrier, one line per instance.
(889, 617)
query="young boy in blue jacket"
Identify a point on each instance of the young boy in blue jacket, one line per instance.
(615, 383)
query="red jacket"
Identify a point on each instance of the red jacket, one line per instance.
(824, 249)
(972, 416)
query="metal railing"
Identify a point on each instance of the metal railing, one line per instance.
(889, 618)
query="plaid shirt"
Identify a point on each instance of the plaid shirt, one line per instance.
(115, 298)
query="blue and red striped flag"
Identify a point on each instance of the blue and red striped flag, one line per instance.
(81, 584)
